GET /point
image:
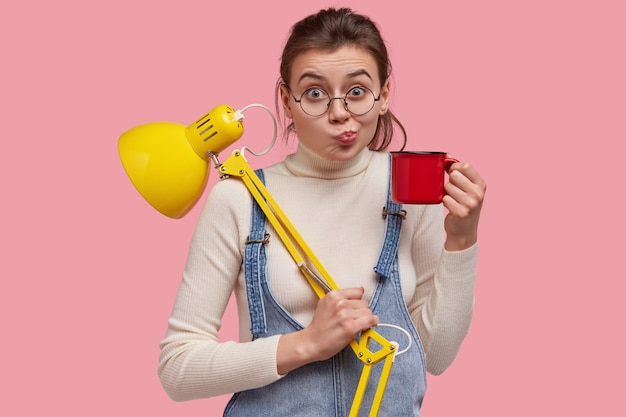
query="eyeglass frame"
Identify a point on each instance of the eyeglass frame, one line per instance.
(330, 100)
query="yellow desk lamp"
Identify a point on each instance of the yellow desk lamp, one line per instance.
(168, 164)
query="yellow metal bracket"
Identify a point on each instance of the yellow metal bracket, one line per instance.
(321, 282)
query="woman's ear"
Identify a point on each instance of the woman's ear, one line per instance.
(384, 97)
(285, 96)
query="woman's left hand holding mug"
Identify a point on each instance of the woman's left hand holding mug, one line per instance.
(465, 192)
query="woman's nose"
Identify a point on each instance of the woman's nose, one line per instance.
(338, 111)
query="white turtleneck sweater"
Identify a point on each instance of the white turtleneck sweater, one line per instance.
(337, 208)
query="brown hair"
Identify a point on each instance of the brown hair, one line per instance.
(330, 29)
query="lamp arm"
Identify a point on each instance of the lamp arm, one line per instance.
(237, 166)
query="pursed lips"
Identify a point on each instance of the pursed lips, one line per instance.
(346, 137)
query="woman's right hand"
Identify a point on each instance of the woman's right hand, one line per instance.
(340, 315)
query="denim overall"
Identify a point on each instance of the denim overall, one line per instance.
(326, 388)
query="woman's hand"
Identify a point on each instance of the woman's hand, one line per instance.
(464, 198)
(340, 315)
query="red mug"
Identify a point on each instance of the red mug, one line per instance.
(417, 177)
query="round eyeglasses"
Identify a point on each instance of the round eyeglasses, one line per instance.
(358, 101)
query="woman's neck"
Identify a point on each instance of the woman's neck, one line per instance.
(305, 163)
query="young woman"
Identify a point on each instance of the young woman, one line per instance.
(293, 356)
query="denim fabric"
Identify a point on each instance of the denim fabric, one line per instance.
(327, 388)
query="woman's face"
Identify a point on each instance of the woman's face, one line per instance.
(337, 135)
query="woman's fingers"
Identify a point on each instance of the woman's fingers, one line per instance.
(465, 192)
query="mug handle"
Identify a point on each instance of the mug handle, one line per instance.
(448, 161)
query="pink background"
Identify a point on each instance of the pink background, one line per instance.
(530, 92)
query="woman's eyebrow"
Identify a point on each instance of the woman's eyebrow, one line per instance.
(313, 75)
(357, 73)
(319, 77)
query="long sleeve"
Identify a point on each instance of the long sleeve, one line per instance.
(443, 302)
(193, 364)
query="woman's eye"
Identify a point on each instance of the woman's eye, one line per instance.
(356, 92)
(315, 93)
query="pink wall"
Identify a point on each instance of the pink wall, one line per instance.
(531, 92)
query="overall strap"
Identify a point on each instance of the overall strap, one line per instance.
(255, 264)
(393, 215)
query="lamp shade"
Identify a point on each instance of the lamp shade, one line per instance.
(169, 162)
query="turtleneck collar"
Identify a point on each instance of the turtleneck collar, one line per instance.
(305, 163)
